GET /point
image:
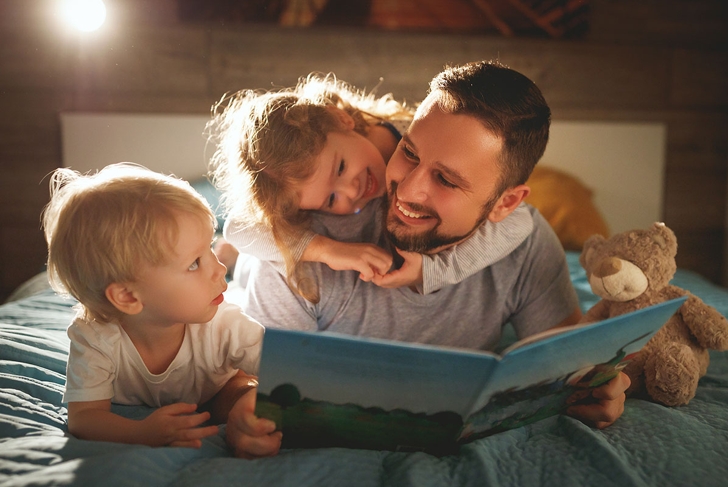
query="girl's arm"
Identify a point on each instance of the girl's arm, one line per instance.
(173, 425)
(257, 240)
(367, 259)
(489, 244)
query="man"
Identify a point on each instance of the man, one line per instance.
(472, 145)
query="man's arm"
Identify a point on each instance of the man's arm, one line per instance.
(604, 404)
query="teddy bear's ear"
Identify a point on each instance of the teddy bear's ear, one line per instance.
(590, 246)
(663, 236)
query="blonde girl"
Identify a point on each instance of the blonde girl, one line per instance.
(288, 157)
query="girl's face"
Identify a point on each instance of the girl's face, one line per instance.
(350, 173)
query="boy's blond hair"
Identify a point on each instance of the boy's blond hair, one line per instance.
(100, 227)
(267, 144)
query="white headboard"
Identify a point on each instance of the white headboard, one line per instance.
(623, 163)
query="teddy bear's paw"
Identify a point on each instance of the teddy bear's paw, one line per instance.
(672, 374)
(712, 331)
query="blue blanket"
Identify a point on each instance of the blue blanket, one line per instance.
(651, 445)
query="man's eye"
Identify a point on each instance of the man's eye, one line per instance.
(194, 266)
(342, 166)
(332, 198)
(445, 182)
(407, 152)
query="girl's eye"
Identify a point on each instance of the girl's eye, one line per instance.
(342, 166)
(194, 266)
(332, 198)
(445, 182)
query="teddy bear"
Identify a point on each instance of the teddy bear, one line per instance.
(632, 270)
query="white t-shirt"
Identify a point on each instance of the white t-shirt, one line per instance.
(104, 364)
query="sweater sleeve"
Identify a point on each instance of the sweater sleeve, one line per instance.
(489, 244)
(257, 240)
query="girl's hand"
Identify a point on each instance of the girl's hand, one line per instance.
(409, 274)
(177, 425)
(367, 259)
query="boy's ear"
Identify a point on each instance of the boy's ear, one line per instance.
(346, 120)
(508, 201)
(123, 297)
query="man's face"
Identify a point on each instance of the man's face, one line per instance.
(441, 180)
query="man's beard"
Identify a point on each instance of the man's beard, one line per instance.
(431, 239)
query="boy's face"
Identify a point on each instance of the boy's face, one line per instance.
(442, 180)
(188, 288)
(349, 174)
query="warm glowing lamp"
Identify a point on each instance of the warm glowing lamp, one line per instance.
(85, 15)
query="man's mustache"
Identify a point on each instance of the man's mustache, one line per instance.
(413, 206)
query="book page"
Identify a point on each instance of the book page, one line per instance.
(325, 389)
(534, 379)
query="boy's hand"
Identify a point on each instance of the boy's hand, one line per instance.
(248, 435)
(367, 259)
(604, 405)
(176, 425)
(409, 274)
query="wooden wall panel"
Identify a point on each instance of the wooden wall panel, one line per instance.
(699, 78)
(652, 67)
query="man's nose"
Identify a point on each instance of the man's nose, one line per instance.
(413, 187)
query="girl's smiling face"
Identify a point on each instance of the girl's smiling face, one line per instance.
(350, 173)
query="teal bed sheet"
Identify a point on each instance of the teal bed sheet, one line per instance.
(651, 445)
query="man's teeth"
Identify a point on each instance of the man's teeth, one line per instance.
(409, 213)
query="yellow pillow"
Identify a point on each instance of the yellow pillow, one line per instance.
(567, 205)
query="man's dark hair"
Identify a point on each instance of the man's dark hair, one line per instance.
(506, 103)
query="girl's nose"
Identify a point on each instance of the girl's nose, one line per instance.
(349, 191)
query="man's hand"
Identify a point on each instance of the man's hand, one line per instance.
(367, 259)
(603, 406)
(409, 274)
(176, 425)
(246, 434)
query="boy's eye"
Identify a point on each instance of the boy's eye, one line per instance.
(445, 182)
(342, 165)
(194, 266)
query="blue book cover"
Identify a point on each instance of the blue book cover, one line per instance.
(324, 389)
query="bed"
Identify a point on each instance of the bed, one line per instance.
(651, 445)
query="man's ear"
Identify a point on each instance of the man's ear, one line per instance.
(346, 120)
(508, 201)
(124, 298)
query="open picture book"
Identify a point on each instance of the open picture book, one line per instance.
(324, 389)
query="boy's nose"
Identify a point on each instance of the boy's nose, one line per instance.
(220, 270)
